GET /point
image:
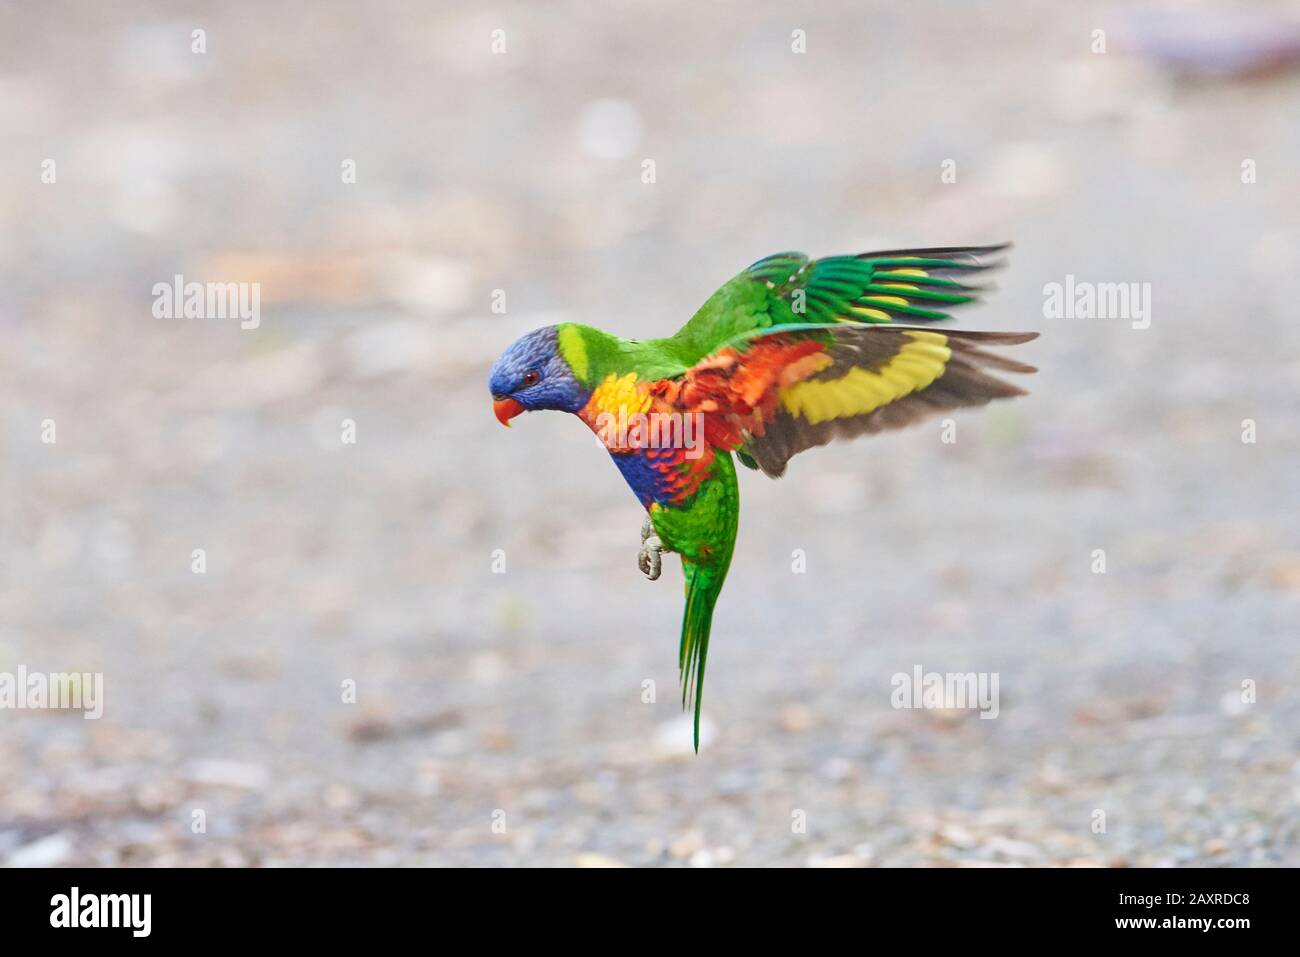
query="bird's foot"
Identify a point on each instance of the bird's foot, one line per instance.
(650, 558)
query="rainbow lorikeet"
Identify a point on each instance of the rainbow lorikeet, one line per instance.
(790, 354)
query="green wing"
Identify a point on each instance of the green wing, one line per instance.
(907, 285)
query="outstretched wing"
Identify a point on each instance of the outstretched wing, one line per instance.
(903, 285)
(771, 394)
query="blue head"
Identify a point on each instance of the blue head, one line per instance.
(533, 374)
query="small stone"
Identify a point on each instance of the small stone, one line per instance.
(49, 851)
(498, 739)
(232, 774)
(338, 798)
(1230, 704)
(1014, 850)
(1216, 846)
(797, 717)
(837, 769)
(1285, 573)
(837, 860)
(609, 129)
(676, 738)
(686, 845)
(957, 836)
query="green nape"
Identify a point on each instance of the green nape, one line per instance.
(593, 355)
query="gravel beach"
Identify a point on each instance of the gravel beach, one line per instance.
(342, 617)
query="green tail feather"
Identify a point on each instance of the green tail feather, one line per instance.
(703, 585)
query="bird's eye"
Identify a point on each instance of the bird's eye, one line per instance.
(532, 377)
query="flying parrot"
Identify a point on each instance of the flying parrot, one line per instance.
(790, 354)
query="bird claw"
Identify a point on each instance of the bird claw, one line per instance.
(650, 558)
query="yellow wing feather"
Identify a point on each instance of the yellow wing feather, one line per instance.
(859, 391)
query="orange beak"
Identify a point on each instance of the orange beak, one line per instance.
(506, 409)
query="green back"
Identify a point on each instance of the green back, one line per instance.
(786, 289)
